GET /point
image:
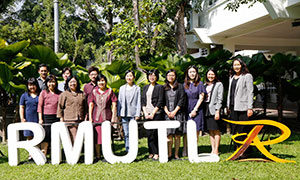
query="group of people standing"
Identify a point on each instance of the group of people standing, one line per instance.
(192, 100)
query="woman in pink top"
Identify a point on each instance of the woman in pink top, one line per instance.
(47, 109)
(102, 107)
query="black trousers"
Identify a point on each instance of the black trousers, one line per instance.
(152, 141)
(152, 135)
(49, 119)
(240, 116)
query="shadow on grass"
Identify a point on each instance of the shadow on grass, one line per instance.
(3, 159)
(284, 156)
(288, 141)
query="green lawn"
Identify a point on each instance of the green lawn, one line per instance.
(144, 169)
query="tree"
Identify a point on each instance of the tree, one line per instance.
(4, 4)
(79, 36)
(180, 28)
(281, 74)
(155, 34)
(11, 66)
(233, 6)
(137, 24)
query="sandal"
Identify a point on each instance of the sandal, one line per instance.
(150, 156)
(155, 157)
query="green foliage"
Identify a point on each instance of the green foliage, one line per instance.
(7, 53)
(11, 65)
(284, 74)
(20, 60)
(125, 35)
(79, 37)
(234, 5)
(44, 54)
(220, 61)
(5, 75)
(4, 4)
(166, 62)
(115, 73)
(282, 67)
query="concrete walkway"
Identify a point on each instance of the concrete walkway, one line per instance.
(289, 114)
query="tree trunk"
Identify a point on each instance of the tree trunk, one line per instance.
(4, 100)
(298, 110)
(109, 30)
(17, 116)
(156, 32)
(137, 24)
(3, 127)
(265, 102)
(280, 100)
(91, 12)
(180, 30)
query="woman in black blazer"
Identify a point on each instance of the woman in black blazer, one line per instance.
(152, 104)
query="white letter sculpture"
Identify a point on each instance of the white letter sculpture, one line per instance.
(162, 127)
(106, 144)
(193, 147)
(14, 144)
(84, 133)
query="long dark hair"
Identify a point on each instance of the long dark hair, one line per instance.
(167, 83)
(244, 68)
(49, 79)
(67, 88)
(33, 81)
(187, 78)
(216, 75)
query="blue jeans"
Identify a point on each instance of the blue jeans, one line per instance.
(125, 121)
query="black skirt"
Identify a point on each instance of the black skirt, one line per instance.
(49, 119)
(211, 123)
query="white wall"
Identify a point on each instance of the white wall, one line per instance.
(217, 20)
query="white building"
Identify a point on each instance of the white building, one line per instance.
(273, 26)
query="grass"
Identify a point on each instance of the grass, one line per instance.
(143, 169)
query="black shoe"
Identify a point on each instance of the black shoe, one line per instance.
(96, 160)
(177, 159)
(104, 160)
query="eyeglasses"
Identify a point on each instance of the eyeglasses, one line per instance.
(93, 74)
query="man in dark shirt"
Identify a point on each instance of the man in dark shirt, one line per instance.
(43, 71)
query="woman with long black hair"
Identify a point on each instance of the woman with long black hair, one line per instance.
(195, 91)
(240, 95)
